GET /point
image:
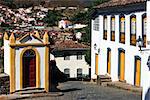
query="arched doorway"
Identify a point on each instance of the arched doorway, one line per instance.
(29, 68)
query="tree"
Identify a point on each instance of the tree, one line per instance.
(97, 2)
(80, 17)
(85, 18)
(88, 57)
(52, 18)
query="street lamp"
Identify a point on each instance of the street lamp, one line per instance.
(95, 46)
(140, 42)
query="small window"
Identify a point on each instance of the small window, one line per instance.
(96, 24)
(144, 29)
(66, 56)
(79, 56)
(105, 28)
(133, 30)
(79, 73)
(67, 72)
(113, 28)
(122, 29)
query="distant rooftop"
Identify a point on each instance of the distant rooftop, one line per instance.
(112, 3)
(69, 45)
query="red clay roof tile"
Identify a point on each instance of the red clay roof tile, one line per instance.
(69, 44)
(112, 3)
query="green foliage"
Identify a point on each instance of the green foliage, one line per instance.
(97, 2)
(80, 17)
(85, 17)
(88, 57)
(8, 1)
(52, 18)
(4, 25)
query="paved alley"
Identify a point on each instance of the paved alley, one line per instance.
(76, 90)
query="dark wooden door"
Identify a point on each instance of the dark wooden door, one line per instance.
(29, 70)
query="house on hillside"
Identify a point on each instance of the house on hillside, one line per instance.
(70, 58)
(64, 24)
(119, 28)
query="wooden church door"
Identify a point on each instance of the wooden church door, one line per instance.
(29, 69)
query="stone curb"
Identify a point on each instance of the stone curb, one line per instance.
(122, 86)
(14, 96)
(125, 87)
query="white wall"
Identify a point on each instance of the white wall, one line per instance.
(6, 57)
(18, 51)
(146, 74)
(73, 64)
(95, 39)
(41, 51)
(130, 51)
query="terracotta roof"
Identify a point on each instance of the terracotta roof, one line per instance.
(69, 44)
(112, 3)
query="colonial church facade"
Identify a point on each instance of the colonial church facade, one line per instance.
(26, 60)
(116, 27)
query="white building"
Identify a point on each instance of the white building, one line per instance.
(116, 27)
(26, 61)
(70, 58)
(78, 35)
(64, 24)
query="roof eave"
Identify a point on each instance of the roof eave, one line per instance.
(118, 9)
(70, 49)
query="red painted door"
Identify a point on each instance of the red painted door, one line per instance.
(29, 71)
(32, 73)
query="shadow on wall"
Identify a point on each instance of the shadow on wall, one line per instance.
(147, 96)
(56, 76)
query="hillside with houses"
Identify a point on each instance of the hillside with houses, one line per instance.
(74, 49)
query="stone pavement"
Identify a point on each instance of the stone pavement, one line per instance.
(78, 90)
(125, 86)
(28, 96)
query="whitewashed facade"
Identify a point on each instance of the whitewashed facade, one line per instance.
(109, 50)
(72, 62)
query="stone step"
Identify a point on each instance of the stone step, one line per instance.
(29, 88)
(30, 92)
(106, 80)
(104, 77)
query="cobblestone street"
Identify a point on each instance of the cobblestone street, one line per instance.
(82, 91)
